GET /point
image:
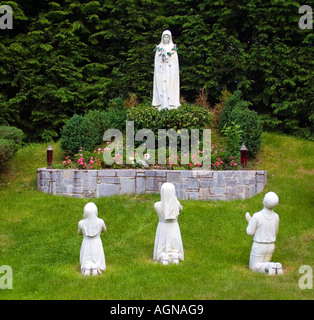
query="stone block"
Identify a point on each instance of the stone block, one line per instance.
(161, 173)
(106, 173)
(61, 189)
(230, 191)
(92, 184)
(75, 190)
(77, 182)
(150, 173)
(220, 182)
(243, 181)
(204, 193)
(140, 173)
(107, 189)
(181, 194)
(202, 173)
(240, 174)
(228, 174)
(207, 183)
(230, 183)
(260, 177)
(139, 185)
(88, 195)
(152, 184)
(173, 177)
(186, 174)
(193, 195)
(217, 190)
(52, 187)
(193, 183)
(108, 180)
(75, 174)
(125, 173)
(259, 187)
(127, 186)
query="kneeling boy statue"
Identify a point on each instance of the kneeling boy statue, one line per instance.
(263, 226)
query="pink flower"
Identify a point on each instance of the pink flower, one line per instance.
(64, 162)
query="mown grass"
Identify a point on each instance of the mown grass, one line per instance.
(39, 240)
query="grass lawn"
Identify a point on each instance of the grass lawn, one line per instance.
(39, 240)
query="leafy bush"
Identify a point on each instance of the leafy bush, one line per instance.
(12, 133)
(10, 140)
(79, 132)
(7, 150)
(233, 136)
(99, 120)
(144, 116)
(115, 115)
(184, 117)
(237, 112)
(87, 131)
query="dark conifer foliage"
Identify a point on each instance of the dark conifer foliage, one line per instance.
(64, 57)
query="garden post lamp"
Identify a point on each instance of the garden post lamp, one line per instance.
(49, 156)
(243, 151)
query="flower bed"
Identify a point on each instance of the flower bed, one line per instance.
(190, 184)
(220, 160)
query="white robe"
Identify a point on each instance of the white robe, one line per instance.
(168, 239)
(166, 91)
(92, 256)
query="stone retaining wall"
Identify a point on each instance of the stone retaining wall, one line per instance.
(190, 184)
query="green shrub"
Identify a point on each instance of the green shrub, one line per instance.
(12, 133)
(10, 141)
(184, 117)
(144, 117)
(87, 131)
(237, 112)
(116, 115)
(234, 139)
(79, 132)
(7, 150)
(99, 120)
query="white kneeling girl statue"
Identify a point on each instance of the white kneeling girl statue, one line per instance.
(168, 246)
(263, 226)
(166, 92)
(92, 256)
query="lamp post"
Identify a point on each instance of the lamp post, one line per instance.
(49, 156)
(243, 151)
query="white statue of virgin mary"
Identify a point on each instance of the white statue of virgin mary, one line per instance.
(166, 92)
